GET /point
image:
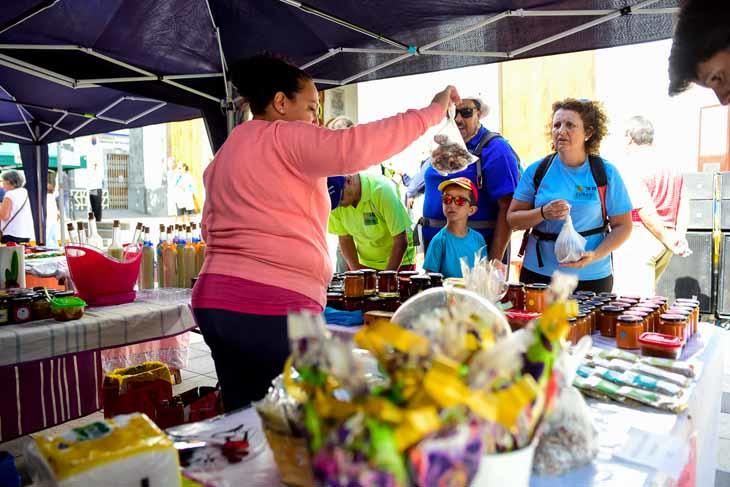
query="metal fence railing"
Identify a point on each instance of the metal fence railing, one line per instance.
(117, 178)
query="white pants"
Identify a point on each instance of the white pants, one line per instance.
(635, 263)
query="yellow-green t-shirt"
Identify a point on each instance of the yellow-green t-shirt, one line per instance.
(378, 217)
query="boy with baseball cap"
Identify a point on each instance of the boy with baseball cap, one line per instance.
(456, 239)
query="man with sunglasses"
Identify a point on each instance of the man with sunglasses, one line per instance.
(495, 177)
(372, 224)
(456, 240)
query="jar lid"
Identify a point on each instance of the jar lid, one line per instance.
(636, 312)
(519, 315)
(353, 273)
(645, 309)
(580, 315)
(572, 320)
(607, 295)
(660, 340)
(577, 297)
(674, 310)
(437, 275)
(367, 271)
(629, 319)
(661, 299)
(516, 285)
(21, 299)
(420, 278)
(671, 317)
(631, 296)
(649, 305)
(590, 294)
(334, 295)
(537, 286)
(612, 309)
(387, 273)
(407, 273)
(688, 300)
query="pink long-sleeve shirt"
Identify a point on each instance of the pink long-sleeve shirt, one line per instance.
(267, 203)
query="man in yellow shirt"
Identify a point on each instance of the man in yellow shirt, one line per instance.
(373, 226)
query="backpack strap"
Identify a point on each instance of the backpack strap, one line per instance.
(536, 180)
(488, 137)
(598, 170)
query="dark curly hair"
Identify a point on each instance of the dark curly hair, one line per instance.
(702, 31)
(593, 116)
(260, 77)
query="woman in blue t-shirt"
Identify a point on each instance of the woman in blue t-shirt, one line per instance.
(573, 180)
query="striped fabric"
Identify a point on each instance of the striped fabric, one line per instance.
(155, 314)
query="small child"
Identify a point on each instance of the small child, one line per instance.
(456, 239)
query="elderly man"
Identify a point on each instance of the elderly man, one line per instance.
(372, 224)
(658, 233)
(495, 175)
(701, 48)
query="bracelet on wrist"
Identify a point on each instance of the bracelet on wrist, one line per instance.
(542, 212)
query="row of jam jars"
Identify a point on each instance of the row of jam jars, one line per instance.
(514, 298)
(694, 305)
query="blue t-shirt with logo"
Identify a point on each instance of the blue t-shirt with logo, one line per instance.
(577, 186)
(446, 250)
(500, 170)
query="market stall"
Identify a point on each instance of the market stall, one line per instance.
(61, 362)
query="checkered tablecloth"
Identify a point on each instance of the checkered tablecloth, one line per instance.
(155, 314)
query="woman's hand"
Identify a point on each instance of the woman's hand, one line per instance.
(586, 259)
(556, 210)
(446, 97)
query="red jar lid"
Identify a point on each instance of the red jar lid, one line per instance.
(519, 315)
(660, 340)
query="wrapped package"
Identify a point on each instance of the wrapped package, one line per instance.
(570, 245)
(570, 439)
(124, 451)
(450, 154)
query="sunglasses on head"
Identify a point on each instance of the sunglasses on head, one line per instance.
(465, 112)
(457, 200)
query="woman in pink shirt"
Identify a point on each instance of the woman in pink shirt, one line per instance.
(265, 217)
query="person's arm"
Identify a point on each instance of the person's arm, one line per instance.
(400, 245)
(6, 209)
(349, 252)
(620, 231)
(672, 240)
(502, 231)
(522, 216)
(417, 183)
(320, 152)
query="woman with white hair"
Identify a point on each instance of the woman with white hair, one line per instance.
(16, 218)
(495, 175)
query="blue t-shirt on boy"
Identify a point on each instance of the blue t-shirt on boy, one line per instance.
(446, 250)
(577, 186)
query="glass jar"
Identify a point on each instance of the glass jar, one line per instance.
(354, 284)
(404, 284)
(535, 297)
(4, 311)
(335, 300)
(607, 325)
(370, 285)
(40, 307)
(694, 305)
(20, 311)
(573, 330)
(389, 304)
(628, 330)
(419, 284)
(641, 314)
(581, 323)
(673, 325)
(685, 311)
(437, 279)
(662, 302)
(372, 303)
(388, 284)
(651, 314)
(515, 296)
(591, 317)
(353, 304)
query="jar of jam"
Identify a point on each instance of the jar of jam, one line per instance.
(389, 304)
(628, 330)
(40, 307)
(437, 279)
(694, 305)
(590, 312)
(581, 323)
(335, 300)
(515, 296)
(607, 325)
(662, 302)
(404, 284)
(353, 304)
(20, 311)
(370, 281)
(535, 297)
(354, 284)
(4, 311)
(573, 330)
(673, 324)
(372, 303)
(687, 313)
(640, 314)
(651, 313)
(388, 284)
(419, 284)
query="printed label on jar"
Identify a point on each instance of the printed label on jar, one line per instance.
(3, 316)
(22, 313)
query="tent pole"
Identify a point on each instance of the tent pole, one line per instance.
(496, 54)
(60, 119)
(484, 23)
(145, 113)
(230, 111)
(28, 14)
(21, 137)
(34, 70)
(327, 81)
(40, 190)
(378, 67)
(327, 55)
(59, 186)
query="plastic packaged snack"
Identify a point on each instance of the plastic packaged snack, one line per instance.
(570, 244)
(449, 154)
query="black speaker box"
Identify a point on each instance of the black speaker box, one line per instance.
(699, 185)
(723, 285)
(691, 276)
(700, 214)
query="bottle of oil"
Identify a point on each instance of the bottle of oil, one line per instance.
(147, 269)
(72, 235)
(82, 233)
(169, 261)
(115, 248)
(200, 249)
(160, 244)
(180, 242)
(189, 259)
(93, 234)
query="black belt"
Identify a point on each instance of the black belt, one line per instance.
(552, 237)
(475, 224)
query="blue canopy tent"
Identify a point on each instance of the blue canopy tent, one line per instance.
(76, 67)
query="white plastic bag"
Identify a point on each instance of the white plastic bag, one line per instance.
(449, 154)
(570, 245)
